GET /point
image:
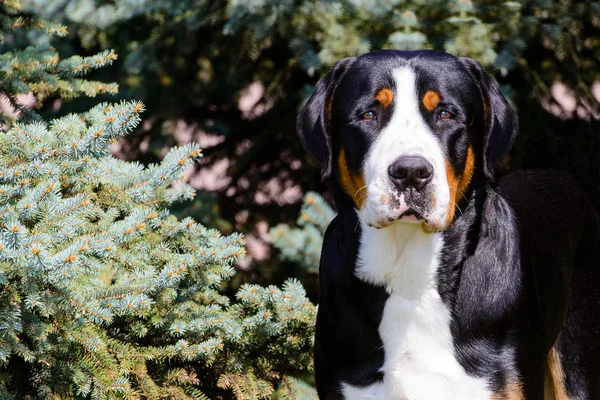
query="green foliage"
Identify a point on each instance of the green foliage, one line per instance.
(103, 292)
(38, 69)
(302, 244)
(100, 284)
(294, 389)
(318, 33)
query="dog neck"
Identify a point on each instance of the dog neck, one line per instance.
(401, 257)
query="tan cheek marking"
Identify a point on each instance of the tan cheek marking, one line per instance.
(385, 97)
(469, 170)
(554, 378)
(431, 100)
(458, 184)
(511, 391)
(453, 186)
(353, 184)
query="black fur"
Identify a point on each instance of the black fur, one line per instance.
(314, 125)
(501, 124)
(519, 268)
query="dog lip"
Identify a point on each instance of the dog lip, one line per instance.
(411, 212)
(410, 215)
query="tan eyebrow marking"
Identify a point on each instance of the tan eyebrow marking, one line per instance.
(385, 97)
(431, 99)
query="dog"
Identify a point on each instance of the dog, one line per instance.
(438, 280)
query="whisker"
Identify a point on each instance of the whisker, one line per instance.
(363, 197)
(456, 205)
(459, 192)
(364, 187)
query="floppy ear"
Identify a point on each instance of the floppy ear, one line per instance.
(314, 121)
(501, 123)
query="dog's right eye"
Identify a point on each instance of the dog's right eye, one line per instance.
(369, 116)
(444, 115)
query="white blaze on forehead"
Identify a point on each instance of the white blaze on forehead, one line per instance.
(406, 134)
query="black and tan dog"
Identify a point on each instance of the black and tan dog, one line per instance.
(437, 282)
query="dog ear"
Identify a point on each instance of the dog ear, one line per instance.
(314, 121)
(501, 123)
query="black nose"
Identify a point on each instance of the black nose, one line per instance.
(410, 172)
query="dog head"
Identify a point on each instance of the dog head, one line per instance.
(406, 134)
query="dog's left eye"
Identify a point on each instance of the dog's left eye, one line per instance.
(444, 115)
(369, 116)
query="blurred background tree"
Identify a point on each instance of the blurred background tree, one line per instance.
(232, 74)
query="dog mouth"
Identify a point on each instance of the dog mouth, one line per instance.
(411, 215)
(401, 209)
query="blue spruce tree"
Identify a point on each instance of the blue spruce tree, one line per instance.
(103, 292)
(302, 244)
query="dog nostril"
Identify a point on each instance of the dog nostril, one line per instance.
(397, 171)
(423, 173)
(410, 172)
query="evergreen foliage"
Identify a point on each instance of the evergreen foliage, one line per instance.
(37, 69)
(498, 33)
(302, 244)
(103, 292)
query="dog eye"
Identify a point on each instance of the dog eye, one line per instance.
(369, 116)
(445, 115)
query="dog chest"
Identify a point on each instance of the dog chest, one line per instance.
(419, 361)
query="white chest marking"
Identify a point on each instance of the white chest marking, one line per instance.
(415, 329)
